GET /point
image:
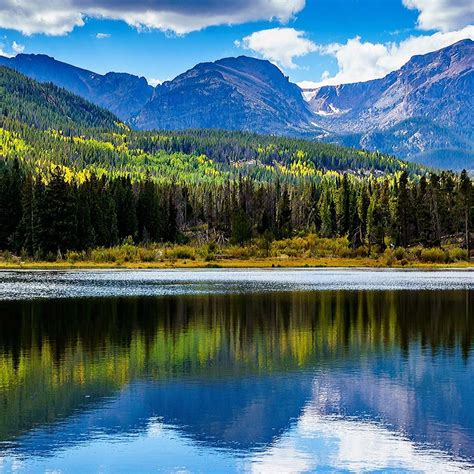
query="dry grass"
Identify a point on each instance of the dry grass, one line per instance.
(236, 263)
(302, 251)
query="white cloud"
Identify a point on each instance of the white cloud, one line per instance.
(103, 35)
(54, 17)
(279, 45)
(59, 17)
(362, 61)
(18, 48)
(4, 53)
(154, 82)
(443, 15)
(15, 48)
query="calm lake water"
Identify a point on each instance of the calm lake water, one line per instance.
(223, 371)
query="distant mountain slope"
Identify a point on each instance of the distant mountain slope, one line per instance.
(424, 107)
(123, 94)
(233, 93)
(422, 112)
(47, 106)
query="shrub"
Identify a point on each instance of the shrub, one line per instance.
(6, 256)
(399, 253)
(236, 251)
(181, 252)
(362, 251)
(457, 254)
(434, 255)
(74, 257)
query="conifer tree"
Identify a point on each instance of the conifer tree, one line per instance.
(344, 208)
(10, 203)
(402, 210)
(327, 212)
(125, 203)
(425, 225)
(148, 212)
(375, 223)
(56, 211)
(284, 227)
(466, 205)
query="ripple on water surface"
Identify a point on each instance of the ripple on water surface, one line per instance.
(57, 284)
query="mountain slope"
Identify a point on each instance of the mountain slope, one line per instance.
(123, 94)
(85, 134)
(46, 106)
(426, 106)
(233, 93)
(422, 112)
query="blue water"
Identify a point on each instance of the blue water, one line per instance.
(236, 371)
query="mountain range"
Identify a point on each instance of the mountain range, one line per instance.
(423, 112)
(123, 94)
(233, 93)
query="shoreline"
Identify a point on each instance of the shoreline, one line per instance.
(266, 263)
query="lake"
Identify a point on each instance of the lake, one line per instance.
(236, 370)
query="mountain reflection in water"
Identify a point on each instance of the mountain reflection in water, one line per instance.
(297, 380)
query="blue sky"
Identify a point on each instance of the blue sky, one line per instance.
(312, 41)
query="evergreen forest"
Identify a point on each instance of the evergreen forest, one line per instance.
(74, 178)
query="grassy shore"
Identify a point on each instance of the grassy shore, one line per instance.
(307, 251)
(233, 263)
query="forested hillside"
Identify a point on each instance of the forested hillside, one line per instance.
(73, 177)
(123, 94)
(46, 106)
(420, 112)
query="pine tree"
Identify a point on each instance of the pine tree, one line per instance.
(148, 212)
(363, 202)
(284, 227)
(466, 198)
(344, 207)
(125, 203)
(85, 229)
(56, 211)
(425, 225)
(434, 192)
(10, 203)
(327, 212)
(402, 211)
(241, 229)
(24, 235)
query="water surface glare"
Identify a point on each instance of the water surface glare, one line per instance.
(77, 283)
(236, 370)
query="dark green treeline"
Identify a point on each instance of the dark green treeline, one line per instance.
(43, 217)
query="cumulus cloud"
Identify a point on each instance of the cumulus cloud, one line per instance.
(18, 48)
(100, 36)
(443, 15)
(12, 50)
(279, 45)
(54, 17)
(362, 61)
(59, 17)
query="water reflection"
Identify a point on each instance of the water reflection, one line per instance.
(303, 380)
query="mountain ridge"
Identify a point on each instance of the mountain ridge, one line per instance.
(241, 93)
(46, 106)
(121, 93)
(428, 88)
(420, 112)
